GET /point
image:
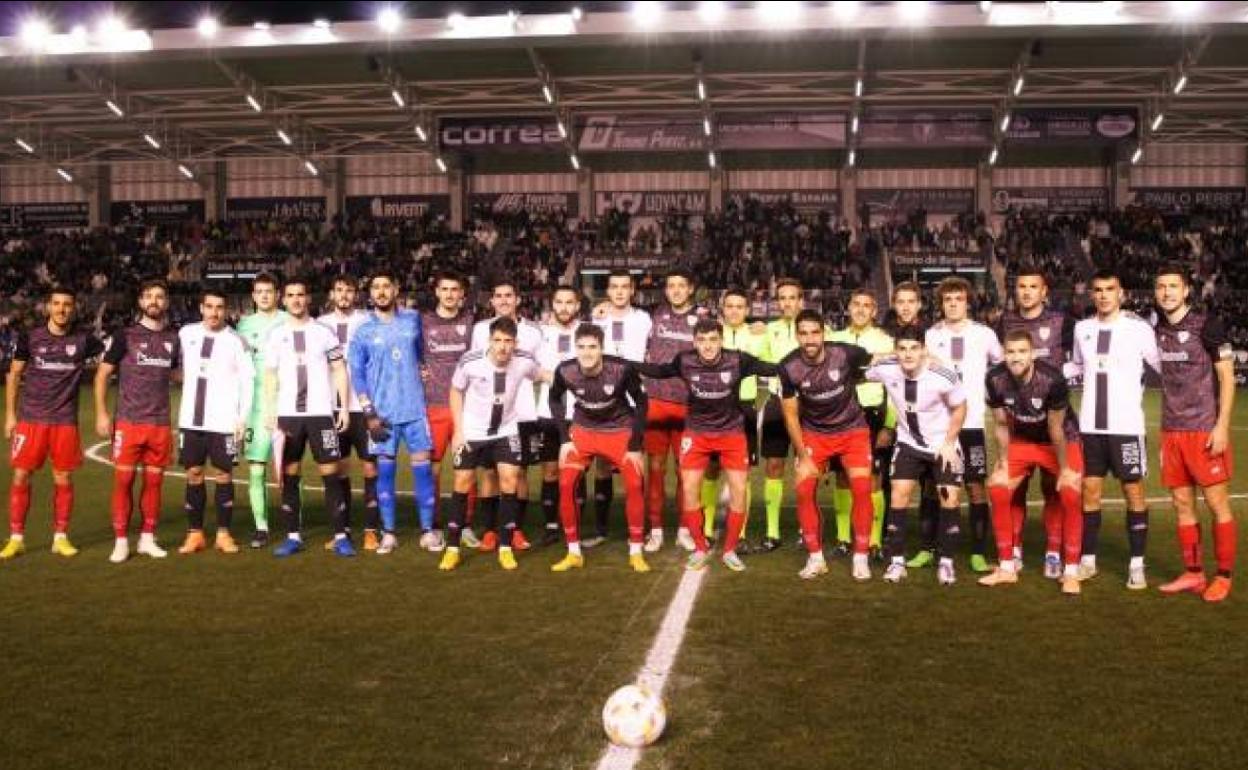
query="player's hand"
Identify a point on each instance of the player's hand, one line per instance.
(885, 438)
(565, 452)
(950, 456)
(457, 443)
(545, 376)
(1219, 439)
(424, 373)
(1070, 478)
(637, 460)
(378, 429)
(1000, 476)
(104, 425)
(343, 421)
(10, 425)
(806, 467)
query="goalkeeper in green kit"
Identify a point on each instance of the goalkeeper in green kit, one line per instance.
(254, 329)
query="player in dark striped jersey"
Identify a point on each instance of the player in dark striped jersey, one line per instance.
(604, 425)
(1197, 398)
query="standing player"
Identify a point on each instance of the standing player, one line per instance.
(1035, 429)
(826, 424)
(41, 417)
(1110, 350)
(863, 332)
(446, 334)
(931, 407)
(385, 370)
(715, 428)
(217, 389)
(626, 329)
(1051, 333)
(254, 329)
(1197, 398)
(344, 320)
(969, 348)
(557, 346)
(305, 373)
(604, 425)
(506, 302)
(485, 393)
(671, 333)
(145, 357)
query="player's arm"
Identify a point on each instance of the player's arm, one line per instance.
(459, 383)
(637, 394)
(268, 395)
(108, 365)
(1057, 436)
(950, 449)
(751, 366)
(13, 383)
(1001, 432)
(661, 371)
(246, 368)
(1220, 349)
(557, 398)
(1074, 367)
(338, 376)
(1148, 345)
(996, 353)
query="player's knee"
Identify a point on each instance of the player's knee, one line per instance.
(60, 478)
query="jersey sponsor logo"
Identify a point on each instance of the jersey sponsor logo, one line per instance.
(1184, 336)
(461, 329)
(54, 366)
(143, 359)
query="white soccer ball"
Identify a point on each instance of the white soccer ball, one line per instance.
(634, 717)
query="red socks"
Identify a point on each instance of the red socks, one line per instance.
(732, 530)
(1224, 534)
(808, 514)
(861, 512)
(123, 500)
(19, 506)
(693, 521)
(1054, 519)
(62, 506)
(634, 503)
(569, 516)
(1189, 546)
(654, 500)
(1003, 521)
(149, 498)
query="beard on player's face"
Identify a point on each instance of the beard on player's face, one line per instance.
(154, 310)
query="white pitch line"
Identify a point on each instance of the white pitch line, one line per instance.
(659, 661)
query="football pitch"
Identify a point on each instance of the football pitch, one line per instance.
(248, 661)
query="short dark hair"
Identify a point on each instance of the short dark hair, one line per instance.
(954, 284)
(345, 280)
(735, 291)
(1019, 335)
(809, 315)
(587, 331)
(268, 278)
(862, 291)
(211, 291)
(707, 326)
(386, 273)
(505, 325)
(501, 281)
(679, 272)
(297, 281)
(783, 282)
(1174, 268)
(620, 272)
(911, 333)
(450, 275)
(62, 290)
(1029, 270)
(908, 286)
(1105, 274)
(153, 283)
(565, 287)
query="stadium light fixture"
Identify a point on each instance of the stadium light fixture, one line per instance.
(455, 20)
(208, 27)
(858, 88)
(79, 33)
(780, 13)
(63, 174)
(576, 13)
(115, 108)
(285, 137)
(575, 161)
(853, 124)
(710, 158)
(853, 158)
(112, 27)
(1005, 122)
(563, 129)
(711, 12)
(311, 167)
(1137, 155)
(913, 11)
(1186, 9)
(985, 7)
(389, 19)
(706, 126)
(701, 90)
(420, 133)
(399, 101)
(254, 103)
(185, 171)
(20, 142)
(35, 33)
(441, 164)
(152, 141)
(992, 157)
(646, 13)
(1018, 85)
(548, 94)
(845, 10)
(1180, 84)
(322, 23)
(260, 26)
(1158, 119)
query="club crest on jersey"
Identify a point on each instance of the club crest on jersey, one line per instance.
(608, 389)
(1044, 332)
(834, 375)
(1183, 337)
(726, 377)
(1037, 402)
(460, 328)
(168, 347)
(71, 349)
(691, 320)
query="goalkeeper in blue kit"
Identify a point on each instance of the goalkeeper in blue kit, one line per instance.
(385, 372)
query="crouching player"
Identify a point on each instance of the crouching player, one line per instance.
(826, 424)
(1035, 429)
(604, 425)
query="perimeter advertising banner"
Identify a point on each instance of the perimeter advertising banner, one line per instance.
(1081, 125)
(936, 261)
(889, 202)
(607, 262)
(803, 201)
(397, 206)
(1055, 200)
(687, 133)
(46, 215)
(920, 127)
(281, 209)
(502, 134)
(157, 212)
(1186, 198)
(532, 202)
(652, 203)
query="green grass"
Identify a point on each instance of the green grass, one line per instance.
(247, 661)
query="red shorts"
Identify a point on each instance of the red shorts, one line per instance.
(1024, 456)
(588, 444)
(34, 442)
(441, 429)
(696, 450)
(852, 448)
(665, 424)
(1185, 461)
(149, 445)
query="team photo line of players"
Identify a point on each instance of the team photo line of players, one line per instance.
(897, 415)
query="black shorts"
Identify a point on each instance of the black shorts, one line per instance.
(541, 442)
(974, 455)
(355, 438)
(909, 464)
(489, 454)
(1123, 456)
(776, 443)
(880, 457)
(300, 433)
(529, 440)
(197, 447)
(749, 419)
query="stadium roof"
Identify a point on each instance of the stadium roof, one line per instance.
(109, 92)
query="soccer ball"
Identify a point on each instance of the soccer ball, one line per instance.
(634, 717)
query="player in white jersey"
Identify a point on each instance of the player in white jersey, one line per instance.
(344, 319)
(931, 408)
(969, 349)
(486, 391)
(217, 390)
(557, 346)
(1110, 350)
(505, 301)
(625, 329)
(307, 375)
